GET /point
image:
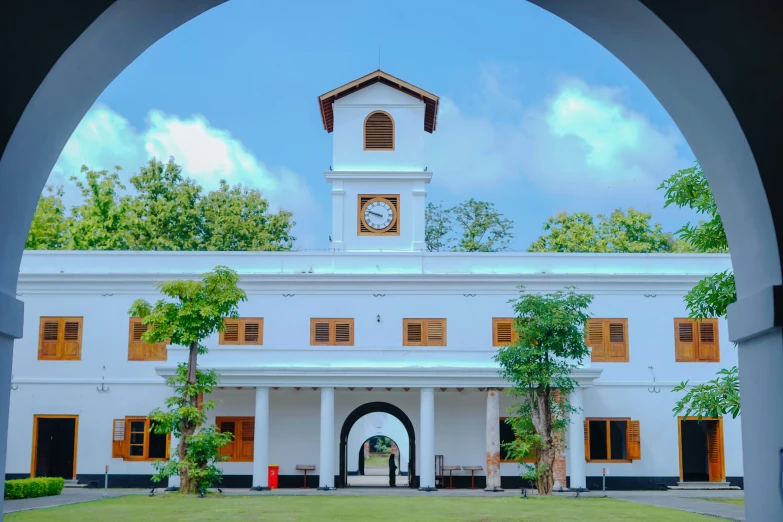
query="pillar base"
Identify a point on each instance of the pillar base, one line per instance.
(428, 489)
(326, 488)
(494, 489)
(260, 488)
(172, 488)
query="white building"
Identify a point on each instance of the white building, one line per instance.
(376, 325)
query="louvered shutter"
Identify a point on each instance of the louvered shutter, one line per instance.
(685, 340)
(138, 350)
(595, 339)
(634, 440)
(708, 340)
(379, 132)
(413, 331)
(503, 332)
(436, 333)
(714, 457)
(230, 333)
(251, 331)
(246, 440)
(618, 340)
(228, 427)
(72, 339)
(321, 332)
(49, 338)
(587, 439)
(343, 333)
(119, 447)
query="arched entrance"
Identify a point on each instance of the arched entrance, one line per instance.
(358, 413)
(717, 84)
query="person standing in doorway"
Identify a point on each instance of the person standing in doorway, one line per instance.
(392, 471)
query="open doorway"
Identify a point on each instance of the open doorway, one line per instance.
(379, 463)
(54, 446)
(701, 450)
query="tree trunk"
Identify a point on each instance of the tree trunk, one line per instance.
(541, 415)
(187, 428)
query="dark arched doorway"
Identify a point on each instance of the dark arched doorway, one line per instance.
(358, 413)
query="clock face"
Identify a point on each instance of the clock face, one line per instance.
(378, 214)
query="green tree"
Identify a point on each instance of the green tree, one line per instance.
(711, 296)
(549, 346)
(164, 213)
(481, 227)
(193, 311)
(237, 218)
(438, 226)
(49, 229)
(620, 232)
(100, 221)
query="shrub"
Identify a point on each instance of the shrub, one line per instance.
(33, 487)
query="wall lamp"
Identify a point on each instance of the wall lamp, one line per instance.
(378, 318)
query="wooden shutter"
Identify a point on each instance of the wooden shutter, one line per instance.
(617, 339)
(228, 426)
(48, 338)
(708, 340)
(595, 339)
(138, 350)
(230, 333)
(379, 132)
(685, 340)
(246, 440)
(424, 332)
(714, 453)
(343, 332)
(412, 332)
(503, 331)
(320, 332)
(252, 331)
(634, 440)
(72, 338)
(119, 446)
(436, 332)
(587, 440)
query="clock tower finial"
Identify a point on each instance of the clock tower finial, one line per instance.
(378, 174)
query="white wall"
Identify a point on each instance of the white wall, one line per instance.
(349, 115)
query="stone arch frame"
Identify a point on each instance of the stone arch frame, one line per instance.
(715, 82)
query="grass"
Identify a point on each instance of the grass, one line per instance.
(735, 501)
(176, 507)
(377, 461)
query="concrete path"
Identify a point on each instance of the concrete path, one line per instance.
(68, 496)
(688, 501)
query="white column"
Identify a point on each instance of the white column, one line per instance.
(338, 214)
(261, 440)
(426, 462)
(174, 480)
(417, 217)
(326, 467)
(576, 441)
(493, 440)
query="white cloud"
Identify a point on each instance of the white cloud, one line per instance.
(581, 142)
(104, 139)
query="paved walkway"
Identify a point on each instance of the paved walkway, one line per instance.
(683, 500)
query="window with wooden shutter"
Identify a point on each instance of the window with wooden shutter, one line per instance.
(240, 449)
(696, 340)
(242, 331)
(60, 339)
(379, 131)
(424, 332)
(138, 350)
(612, 440)
(503, 332)
(331, 332)
(133, 438)
(608, 339)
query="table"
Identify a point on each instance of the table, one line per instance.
(472, 470)
(305, 468)
(450, 469)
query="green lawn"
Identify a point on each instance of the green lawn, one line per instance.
(735, 501)
(377, 461)
(355, 509)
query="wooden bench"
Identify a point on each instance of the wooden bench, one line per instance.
(450, 469)
(472, 470)
(305, 468)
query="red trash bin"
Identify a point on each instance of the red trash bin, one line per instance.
(273, 474)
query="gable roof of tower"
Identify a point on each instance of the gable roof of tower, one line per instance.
(430, 100)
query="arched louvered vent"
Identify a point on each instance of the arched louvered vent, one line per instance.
(379, 132)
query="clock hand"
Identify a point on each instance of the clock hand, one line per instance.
(374, 213)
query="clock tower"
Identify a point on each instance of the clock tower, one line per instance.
(378, 174)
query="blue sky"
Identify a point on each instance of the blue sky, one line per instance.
(535, 116)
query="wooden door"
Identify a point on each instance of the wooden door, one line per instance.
(715, 450)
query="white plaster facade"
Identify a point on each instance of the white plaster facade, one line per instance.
(307, 392)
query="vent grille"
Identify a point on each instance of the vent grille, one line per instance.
(379, 132)
(686, 332)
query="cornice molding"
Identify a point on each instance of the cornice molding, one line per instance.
(376, 175)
